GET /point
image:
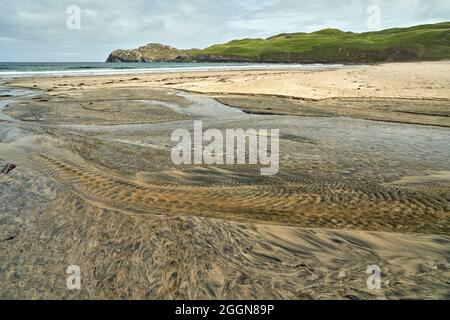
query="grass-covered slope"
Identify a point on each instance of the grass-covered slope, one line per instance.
(426, 42)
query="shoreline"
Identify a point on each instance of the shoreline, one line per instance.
(413, 93)
(238, 66)
(208, 67)
(354, 81)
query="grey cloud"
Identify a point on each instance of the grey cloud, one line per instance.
(35, 30)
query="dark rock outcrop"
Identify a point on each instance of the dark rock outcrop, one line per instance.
(8, 168)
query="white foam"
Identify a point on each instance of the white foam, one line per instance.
(112, 71)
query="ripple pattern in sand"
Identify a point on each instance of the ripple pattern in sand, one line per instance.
(295, 199)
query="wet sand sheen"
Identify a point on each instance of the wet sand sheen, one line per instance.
(94, 186)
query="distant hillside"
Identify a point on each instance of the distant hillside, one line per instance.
(425, 42)
(147, 53)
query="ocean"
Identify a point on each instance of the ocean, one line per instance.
(18, 69)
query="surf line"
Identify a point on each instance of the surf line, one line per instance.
(229, 149)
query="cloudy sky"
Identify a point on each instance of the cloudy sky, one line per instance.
(37, 30)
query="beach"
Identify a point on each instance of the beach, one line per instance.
(401, 92)
(364, 179)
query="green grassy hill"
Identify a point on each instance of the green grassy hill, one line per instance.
(426, 42)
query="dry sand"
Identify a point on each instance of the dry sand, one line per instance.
(87, 180)
(424, 80)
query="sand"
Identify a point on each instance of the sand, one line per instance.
(422, 80)
(86, 179)
(416, 93)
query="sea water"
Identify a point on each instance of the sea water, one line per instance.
(20, 69)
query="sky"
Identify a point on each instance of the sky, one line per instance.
(83, 30)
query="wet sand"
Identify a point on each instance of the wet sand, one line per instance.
(94, 186)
